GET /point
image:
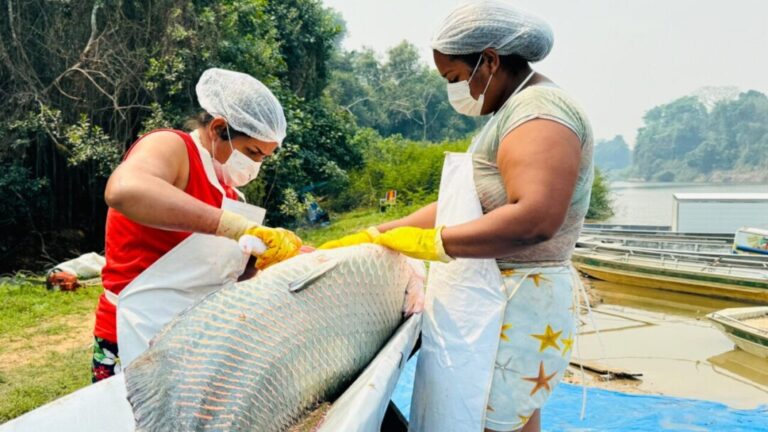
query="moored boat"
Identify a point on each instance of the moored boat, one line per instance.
(751, 240)
(712, 274)
(746, 327)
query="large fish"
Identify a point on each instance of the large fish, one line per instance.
(261, 354)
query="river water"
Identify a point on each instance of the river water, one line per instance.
(664, 335)
(651, 203)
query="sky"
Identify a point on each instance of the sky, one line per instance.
(618, 58)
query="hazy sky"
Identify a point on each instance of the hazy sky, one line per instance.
(619, 58)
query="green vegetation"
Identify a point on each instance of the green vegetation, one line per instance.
(48, 377)
(613, 154)
(684, 141)
(412, 168)
(82, 80)
(400, 95)
(27, 306)
(45, 341)
(600, 204)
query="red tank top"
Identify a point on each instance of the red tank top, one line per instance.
(130, 248)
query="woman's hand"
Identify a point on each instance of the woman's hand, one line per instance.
(365, 236)
(280, 243)
(419, 243)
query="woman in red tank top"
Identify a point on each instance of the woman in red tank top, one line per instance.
(162, 192)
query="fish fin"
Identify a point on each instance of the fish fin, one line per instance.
(307, 278)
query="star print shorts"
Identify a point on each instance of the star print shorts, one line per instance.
(535, 343)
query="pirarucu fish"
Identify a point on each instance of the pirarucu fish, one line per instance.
(259, 355)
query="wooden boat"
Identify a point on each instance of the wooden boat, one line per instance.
(719, 275)
(746, 327)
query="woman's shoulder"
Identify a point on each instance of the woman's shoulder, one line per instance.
(161, 142)
(548, 101)
(545, 95)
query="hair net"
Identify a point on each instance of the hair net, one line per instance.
(246, 103)
(475, 26)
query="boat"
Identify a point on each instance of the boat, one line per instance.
(746, 327)
(721, 245)
(739, 277)
(751, 240)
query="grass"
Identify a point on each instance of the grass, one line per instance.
(40, 380)
(27, 306)
(44, 343)
(45, 336)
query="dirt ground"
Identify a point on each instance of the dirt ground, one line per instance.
(19, 351)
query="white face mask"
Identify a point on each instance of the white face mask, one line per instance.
(462, 101)
(239, 169)
(461, 98)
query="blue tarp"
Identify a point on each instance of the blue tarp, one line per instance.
(614, 411)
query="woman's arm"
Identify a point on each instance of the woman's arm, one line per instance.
(539, 163)
(421, 218)
(148, 187)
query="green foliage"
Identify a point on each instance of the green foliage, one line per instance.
(399, 95)
(612, 154)
(316, 156)
(411, 167)
(293, 206)
(600, 203)
(81, 80)
(682, 141)
(89, 143)
(309, 35)
(23, 196)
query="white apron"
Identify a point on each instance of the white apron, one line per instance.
(464, 308)
(197, 266)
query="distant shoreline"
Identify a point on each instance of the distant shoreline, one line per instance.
(718, 177)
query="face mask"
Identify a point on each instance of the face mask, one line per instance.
(461, 98)
(239, 169)
(463, 102)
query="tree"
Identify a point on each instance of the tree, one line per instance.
(671, 132)
(399, 95)
(600, 203)
(613, 154)
(81, 80)
(683, 141)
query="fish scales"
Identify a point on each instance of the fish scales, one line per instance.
(258, 357)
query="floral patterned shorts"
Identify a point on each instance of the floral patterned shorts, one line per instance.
(105, 359)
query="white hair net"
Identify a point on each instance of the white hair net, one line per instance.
(475, 26)
(246, 103)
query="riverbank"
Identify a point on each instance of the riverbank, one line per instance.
(652, 203)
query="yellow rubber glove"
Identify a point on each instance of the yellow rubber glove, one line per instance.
(419, 243)
(281, 243)
(365, 236)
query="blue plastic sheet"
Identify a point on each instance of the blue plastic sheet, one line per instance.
(614, 411)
